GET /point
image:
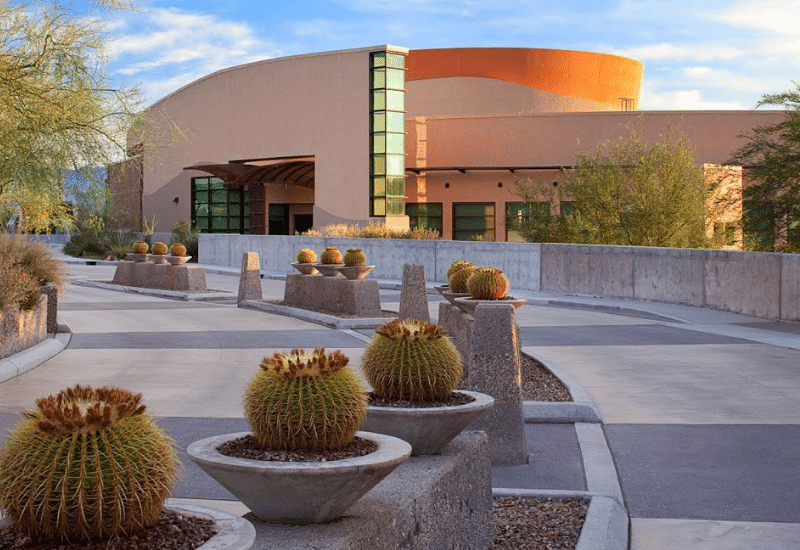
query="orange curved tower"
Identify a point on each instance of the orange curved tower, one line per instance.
(606, 79)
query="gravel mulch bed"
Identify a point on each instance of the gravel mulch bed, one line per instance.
(381, 314)
(248, 447)
(174, 531)
(538, 522)
(455, 398)
(539, 384)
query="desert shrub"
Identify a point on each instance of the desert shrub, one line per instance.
(182, 232)
(371, 231)
(24, 267)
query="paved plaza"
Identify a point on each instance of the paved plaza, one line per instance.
(700, 409)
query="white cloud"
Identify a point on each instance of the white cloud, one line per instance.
(782, 16)
(666, 51)
(682, 100)
(709, 77)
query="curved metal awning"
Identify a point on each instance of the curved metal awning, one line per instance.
(299, 171)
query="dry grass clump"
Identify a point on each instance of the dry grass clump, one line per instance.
(371, 231)
(24, 266)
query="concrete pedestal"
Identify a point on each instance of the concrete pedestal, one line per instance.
(333, 294)
(250, 278)
(414, 296)
(187, 278)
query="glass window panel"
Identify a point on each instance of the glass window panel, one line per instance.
(379, 143)
(395, 165)
(394, 78)
(201, 224)
(379, 164)
(473, 209)
(396, 186)
(219, 196)
(246, 209)
(394, 100)
(235, 195)
(379, 100)
(200, 184)
(394, 206)
(378, 187)
(472, 223)
(379, 59)
(379, 121)
(424, 209)
(235, 210)
(378, 78)
(378, 207)
(201, 210)
(235, 224)
(567, 208)
(200, 197)
(395, 143)
(394, 60)
(219, 210)
(216, 183)
(246, 225)
(395, 122)
(219, 224)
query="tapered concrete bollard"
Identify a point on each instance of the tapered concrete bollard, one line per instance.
(458, 326)
(413, 296)
(495, 370)
(250, 278)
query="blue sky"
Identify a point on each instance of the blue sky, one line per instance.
(709, 54)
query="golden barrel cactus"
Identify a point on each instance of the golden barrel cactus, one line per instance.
(177, 249)
(354, 257)
(86, 465)
(159, 248)
(306, 256)
(487, 283)
(458, 279)
(331, 255)
(140, 247)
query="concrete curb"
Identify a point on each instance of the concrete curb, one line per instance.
(580, 409)
(604, 308)
(606, 523)
(158, 292)
(34, 356)
(330, 321)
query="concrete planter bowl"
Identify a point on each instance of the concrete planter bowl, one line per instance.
(450, 296)
(468, 305)
(305, 269)
(178, 260)
(427, 429)
(329, 270)
(233, 532)
(355, 271)
(160, 259)
(299, 492)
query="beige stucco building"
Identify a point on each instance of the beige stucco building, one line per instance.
(433, 138)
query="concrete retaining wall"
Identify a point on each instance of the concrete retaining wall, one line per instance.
(761, 284)
(21, 329)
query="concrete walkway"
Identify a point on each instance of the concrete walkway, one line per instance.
(700, 409)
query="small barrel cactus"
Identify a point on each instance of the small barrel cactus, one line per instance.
(413, 360)
(306, 256)
(140, 247)
(331, 255)
(354, 256)
(303, 402)
(177, 249)
(88, 464)
(458, 279)
(456, 265)
(487, 283)
(159, 248)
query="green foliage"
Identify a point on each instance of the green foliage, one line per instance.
(306, 256)
(183, 232)
(626, 193)
(331, 255)
(772, 158)
(354, 257)
(59, 108)
(487, 283)
(86, 465)
(25, 266)
(458, 279)
(412, 360)
(455, 266)
(372, 231)
(298, 401)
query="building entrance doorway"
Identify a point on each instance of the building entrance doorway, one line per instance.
(303, 222)
(278, 219)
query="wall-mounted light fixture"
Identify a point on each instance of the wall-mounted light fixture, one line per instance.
(447, 186)
(175, 200)
(499, 184)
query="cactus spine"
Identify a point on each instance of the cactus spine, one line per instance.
(354, 257)
(298, 401)
(140, 247)
(413, 360)
(331, 255)
(306, 256)
(86, 465)
(458, 280)
(487, 283)
(159, 248)
(455, 266)
(177, 249)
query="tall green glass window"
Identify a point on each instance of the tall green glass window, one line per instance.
(387, 134)
(473, 221)
(219, 210)
(425, 215)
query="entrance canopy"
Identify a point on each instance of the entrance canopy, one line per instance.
(286, 170)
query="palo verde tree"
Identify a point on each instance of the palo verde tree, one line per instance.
(630, 193)
(58, 108)
(772, 158)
